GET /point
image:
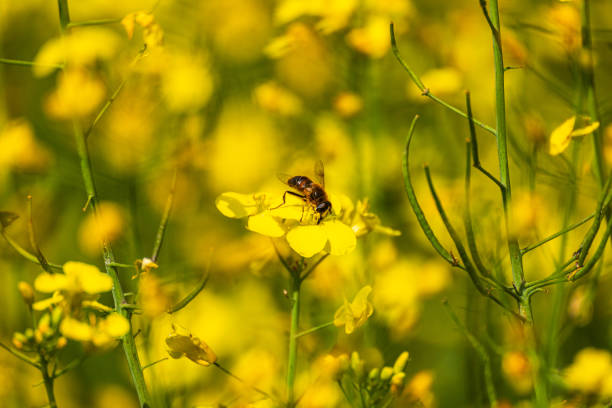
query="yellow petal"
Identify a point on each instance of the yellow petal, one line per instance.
(359, 307)
(586, 130)
(307, 240)
(560, 137)
(128, 23)
(115, 325)
(76, 330)
(46, 303)
(236, 205)
(289, 212)
(343, 314)
(266, 225)
(89, 277)
(340, 236)
(50, 282)
(92, 304)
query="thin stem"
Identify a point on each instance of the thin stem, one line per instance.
(24, 253)
(314, 329)
(601, 208)
(129, 345)
(153, 363)
(555, 235)
(10, 61)
(425, 91)
(20, 356)
(295, 317)
(64, 14)
(516, 261)
(412, 199)
(102, 21)
(240, 380)
(159, 239)
(195, 292)
(488, 373)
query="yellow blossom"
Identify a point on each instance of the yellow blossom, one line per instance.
(26, 291)
(348, 104)
(78, 94)
(152, 34)
(108, 226)
(186, 82)
(353, 315)
(561, 136)
(373, 38)
(19, 149)
(181, 345)
(79, 49)
(419, 388)
(274, 98)
(101, 334)
(591, 372)
(77, 277)
(295, 219)
(517, 370)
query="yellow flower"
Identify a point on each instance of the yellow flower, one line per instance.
(78, 94)
(108, 226)
(79, 49)
(354, 315)
(562, 135)
(348, 104)
(180, 345)
(295, 219)
(591, 372)
(102, 333)
(186, 83)
(517, 370)
(19, 149)
(373, 38)
(78, 283)
(152, 34)
(274, 98)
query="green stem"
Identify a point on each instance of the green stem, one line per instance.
(48, 381)
(21, 356)
(295, 317)
(102, 21)
(555, 235)
(516, 261)
(64, 14)
(129, 345)
(425, 91)
(10, 61)
(27, 255)
(240, 380)
(164, 222)
(314, 329)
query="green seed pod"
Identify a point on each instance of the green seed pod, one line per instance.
(400, 362)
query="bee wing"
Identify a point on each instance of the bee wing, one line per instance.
(283, 177)
(320, 173)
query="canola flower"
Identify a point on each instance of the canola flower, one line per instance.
(295, 220)
(78, 288)
(353, 315)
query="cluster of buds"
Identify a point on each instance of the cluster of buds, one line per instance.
(46, 336)
(379, 386)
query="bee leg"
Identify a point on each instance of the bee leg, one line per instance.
(303, 197)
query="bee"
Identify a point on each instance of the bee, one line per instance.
(309, 191)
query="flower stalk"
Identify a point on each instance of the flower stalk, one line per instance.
(294, 298)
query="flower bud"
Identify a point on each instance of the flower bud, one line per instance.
(357, 364)
(374, 374)
(400, 362)
(61, 343)
(19, 339)
(343, 362)
(386, 373)
(397, 382)
(27, 293)
(56, 316)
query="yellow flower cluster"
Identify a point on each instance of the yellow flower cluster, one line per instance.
(75, 293)
(591, 372)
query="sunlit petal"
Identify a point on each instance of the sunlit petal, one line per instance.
(265, 224)
(341, 238)
(307, 240)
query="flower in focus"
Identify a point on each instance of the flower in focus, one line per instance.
(295, 219)
(353, 315)
(591, 372)
(185, 345)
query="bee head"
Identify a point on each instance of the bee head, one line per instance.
(323, 208)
